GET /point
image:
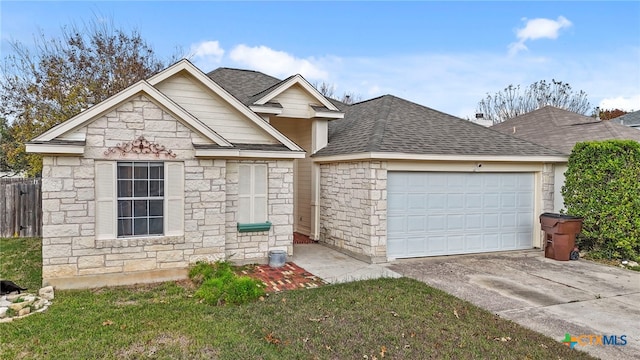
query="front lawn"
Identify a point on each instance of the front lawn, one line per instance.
(374, 319)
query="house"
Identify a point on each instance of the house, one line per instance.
(560, 130)
(631, 119)
(187, 166)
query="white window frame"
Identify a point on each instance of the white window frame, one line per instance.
(106, 199)
(249, 213)
(133, 198)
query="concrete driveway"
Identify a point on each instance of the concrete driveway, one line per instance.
(548, 296)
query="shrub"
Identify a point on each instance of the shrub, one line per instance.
(203, 271)
(603, 187)
(219, 284)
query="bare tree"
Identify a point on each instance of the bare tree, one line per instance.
(510, 102)
(328, 90)
(57, 78)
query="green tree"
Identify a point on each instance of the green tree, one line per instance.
(55, 79)
(510, 102)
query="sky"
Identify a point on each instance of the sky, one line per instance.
(444, 55)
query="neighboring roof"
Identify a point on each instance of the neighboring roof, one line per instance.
(630, 119)
(560, 129)
(394, 125)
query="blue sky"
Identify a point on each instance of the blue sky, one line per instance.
(445, 55)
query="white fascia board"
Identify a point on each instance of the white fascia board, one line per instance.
(297, 79)
(435, 157)
(66, 149)
(266, 109)
(236, 153)
(186, 65)
(128, 93)
(327, 114)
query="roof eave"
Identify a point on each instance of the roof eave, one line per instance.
(439, 157)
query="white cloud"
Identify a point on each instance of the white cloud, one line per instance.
(535, 29)
(277, 63)
(631, 103)
(207, 54)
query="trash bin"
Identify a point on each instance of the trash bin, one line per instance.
(277, 258)
(560, 234)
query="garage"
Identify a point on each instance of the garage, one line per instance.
(448, 213)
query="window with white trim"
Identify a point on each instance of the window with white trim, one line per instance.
(252, 193)
(140, 198)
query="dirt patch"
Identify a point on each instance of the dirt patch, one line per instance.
(165, 345)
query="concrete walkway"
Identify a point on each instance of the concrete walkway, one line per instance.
(335, 267)
(551, 297)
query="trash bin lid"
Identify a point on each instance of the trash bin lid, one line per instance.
(561, 216)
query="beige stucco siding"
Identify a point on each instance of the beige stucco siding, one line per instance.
(295, 102)
(213, 111)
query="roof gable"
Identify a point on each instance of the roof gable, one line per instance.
(188, 67)
(276, 90)
(213, 110)
(141, 87)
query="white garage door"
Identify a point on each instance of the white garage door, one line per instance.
(434, 213)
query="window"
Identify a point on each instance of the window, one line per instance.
(140, 198)
(252, 192)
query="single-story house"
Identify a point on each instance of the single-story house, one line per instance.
(560, 130)
(631, 119)
(188, 166)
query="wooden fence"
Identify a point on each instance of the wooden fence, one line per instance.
(20, 207)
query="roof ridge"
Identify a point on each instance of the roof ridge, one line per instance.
(380, 125)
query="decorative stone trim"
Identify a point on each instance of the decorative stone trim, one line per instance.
(144, 241)
(140, 146)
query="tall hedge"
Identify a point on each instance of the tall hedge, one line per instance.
(603, 186)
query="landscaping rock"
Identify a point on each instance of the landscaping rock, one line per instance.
(46, 293)
(13, 297)
(24, 311)
(39, 304)
(18, 306)
(28, 304)
(632, 263)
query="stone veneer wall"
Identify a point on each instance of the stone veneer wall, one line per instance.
(353, 208)
(253, 247)
(73, 258)
(548, 186)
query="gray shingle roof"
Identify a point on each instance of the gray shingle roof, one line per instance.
(630, 119)
(392, 124)
(243, 84)
(560, 129)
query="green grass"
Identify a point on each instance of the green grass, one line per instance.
(21, 261)
(400, 318)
